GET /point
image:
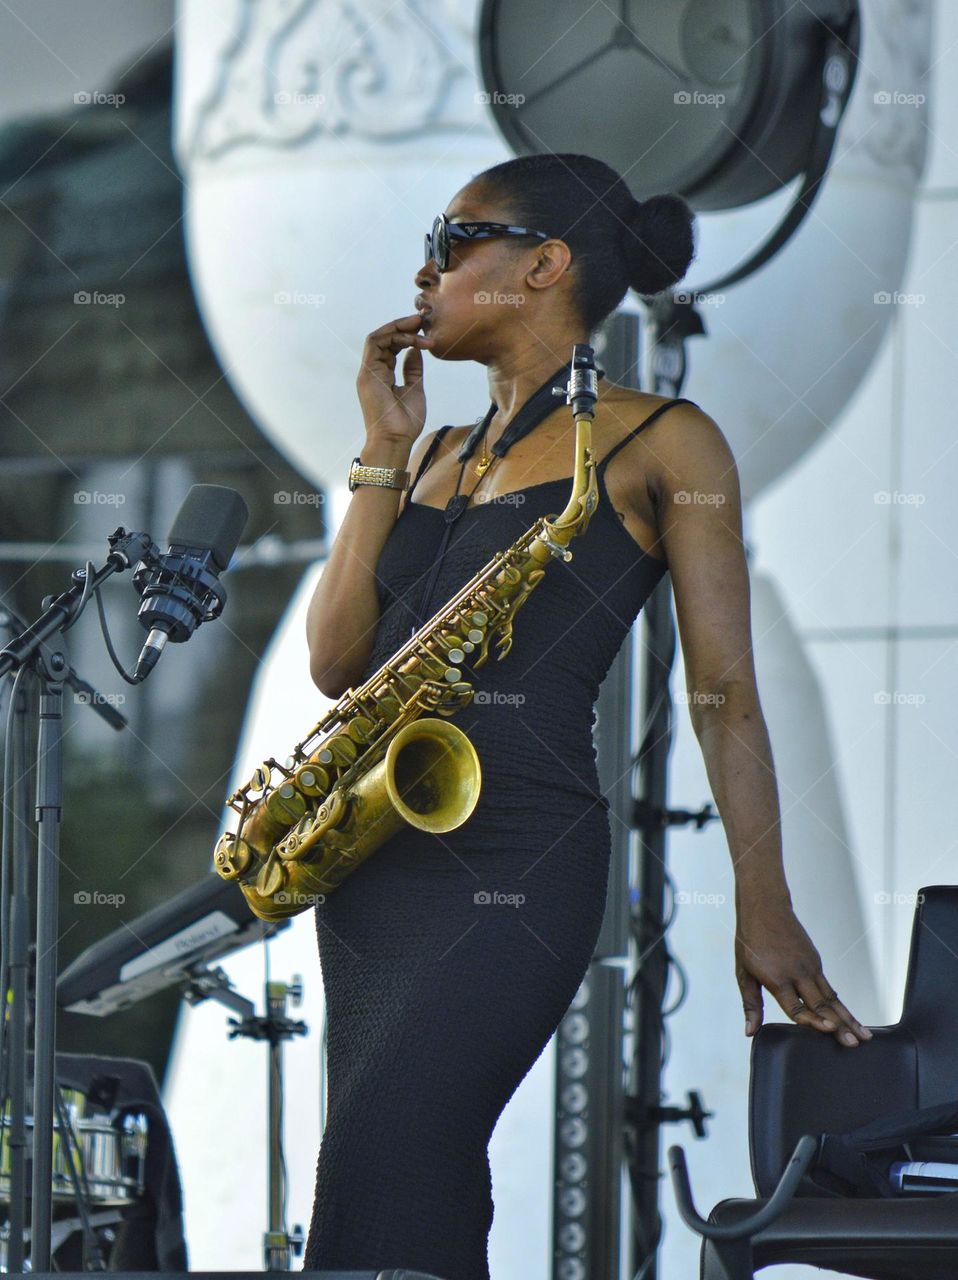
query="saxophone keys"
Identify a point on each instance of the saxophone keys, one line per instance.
(271, 877)
(451, 674)
(231, 857)
(329, 814)
(286, 804)
(476, 637)
(312, 781)
(260, 779)
(388, 705)
(340, 751)
(360, 729)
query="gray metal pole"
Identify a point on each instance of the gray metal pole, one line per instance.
(49, 800)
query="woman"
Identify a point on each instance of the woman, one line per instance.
(448, 961)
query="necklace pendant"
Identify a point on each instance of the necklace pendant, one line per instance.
(483, 466)
(456, 506)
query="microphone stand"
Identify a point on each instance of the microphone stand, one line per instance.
(15, 961)
(279, 1244)
(46, 658)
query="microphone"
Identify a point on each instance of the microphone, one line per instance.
(181, 589)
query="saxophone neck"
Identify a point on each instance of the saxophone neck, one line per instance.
(582, 394)
(584, 497)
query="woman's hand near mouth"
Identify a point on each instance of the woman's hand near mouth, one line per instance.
(391, 412)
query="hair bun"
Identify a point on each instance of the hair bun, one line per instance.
(659, 242)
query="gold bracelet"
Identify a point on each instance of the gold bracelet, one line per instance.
(385, 477)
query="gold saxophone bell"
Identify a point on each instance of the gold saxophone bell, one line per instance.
(430, 778)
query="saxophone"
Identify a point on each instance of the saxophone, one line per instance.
(386, 754)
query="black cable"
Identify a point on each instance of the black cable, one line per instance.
(650, 1253)
(104, 627)
(639, 915)
(80, 605)
(647, 1249)
(71, 1144)
(284, 1171)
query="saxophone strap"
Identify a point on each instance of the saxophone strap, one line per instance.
(539, 405)
(428, 456)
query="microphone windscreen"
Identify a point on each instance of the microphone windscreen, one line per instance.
(212, 517)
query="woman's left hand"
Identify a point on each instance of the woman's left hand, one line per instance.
(773, 950)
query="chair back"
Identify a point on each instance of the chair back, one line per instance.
(803, 1081)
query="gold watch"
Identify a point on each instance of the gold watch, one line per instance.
(386, 477)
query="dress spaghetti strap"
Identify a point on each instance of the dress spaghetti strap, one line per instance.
(427, 457)
(635, 430)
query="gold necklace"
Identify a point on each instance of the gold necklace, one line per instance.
(485, 462)
(482, 466)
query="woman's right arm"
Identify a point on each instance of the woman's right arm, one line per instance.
(343, 614)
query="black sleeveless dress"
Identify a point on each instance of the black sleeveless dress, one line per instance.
(448, 961)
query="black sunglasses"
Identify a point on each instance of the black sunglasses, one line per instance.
(443, 232)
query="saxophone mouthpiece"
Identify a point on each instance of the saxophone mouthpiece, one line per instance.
(583, 389)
